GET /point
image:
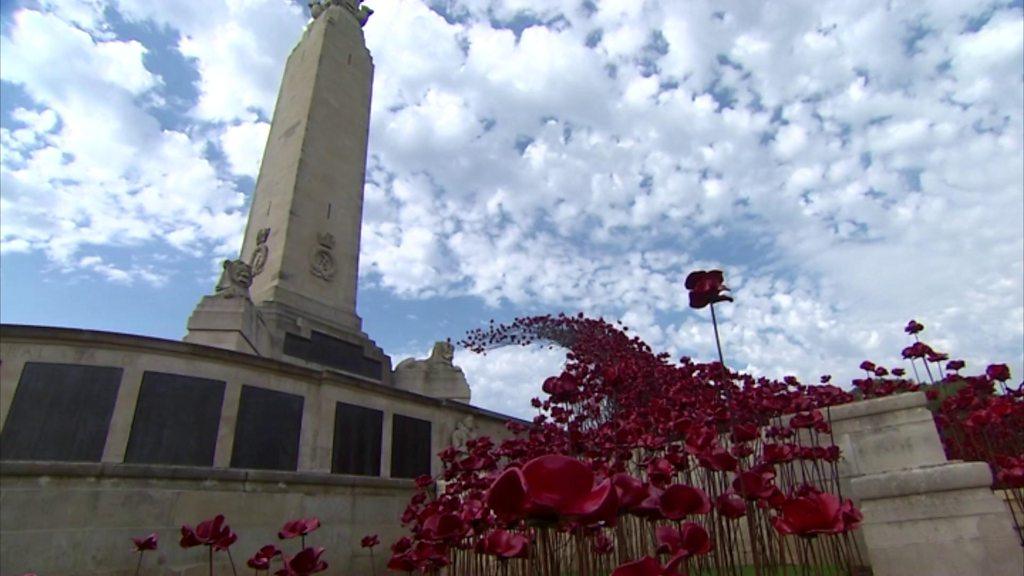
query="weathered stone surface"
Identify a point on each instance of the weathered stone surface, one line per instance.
(91, 517)
(922, 514)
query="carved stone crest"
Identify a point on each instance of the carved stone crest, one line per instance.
(322, 262)
(235, 279)
(259, 255)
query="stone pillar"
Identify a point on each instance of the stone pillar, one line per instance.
(123, 415)
(922, 513)
(228, 422)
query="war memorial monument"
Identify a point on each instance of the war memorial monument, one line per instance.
(276, 406)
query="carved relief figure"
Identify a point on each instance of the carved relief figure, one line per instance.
(322, 262)
(235, 279)
(259, 255)
(464, 430)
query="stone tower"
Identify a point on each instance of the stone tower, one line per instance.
(301, 243)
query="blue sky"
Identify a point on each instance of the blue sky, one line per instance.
(850, 165)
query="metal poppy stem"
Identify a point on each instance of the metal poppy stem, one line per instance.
(718, 342)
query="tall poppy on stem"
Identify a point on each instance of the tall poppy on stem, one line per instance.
(142, 545)
(706, 287)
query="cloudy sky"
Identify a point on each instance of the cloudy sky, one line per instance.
(850, 165)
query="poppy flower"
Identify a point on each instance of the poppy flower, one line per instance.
(679, 500)
(505, 544)
(630, 491)
(299, 527)
(999, 372)
(442, 527)
(807, 419)
(1010, 472)
(706, 287)
(955, 365)
(754, 484)
(852, 517)
(646, 566)
(369, 541)
(917, 350)
(603, 545)
(898, 372)
(913, 327)
(306, 562)
(212, 532)
(691, 539)
(730, 505)
(551, 486)
(403, 544)
(867, 366)
(145, 543)
(809, 515)
(261, 559)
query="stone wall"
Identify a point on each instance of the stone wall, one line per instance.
(157, 464)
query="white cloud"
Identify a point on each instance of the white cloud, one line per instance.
(850, 164)
(97, 168)
(243, 144)
(505, 380)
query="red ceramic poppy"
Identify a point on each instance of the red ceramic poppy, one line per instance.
(810, 515)
(679, 501)
(369, 541)
(299, 527)
(690, 539)
(505, 544)
(999, 372)
(731, 506)
(212, 532)
(261, 560)
(146, 543)
(306, 562)
(706, 287)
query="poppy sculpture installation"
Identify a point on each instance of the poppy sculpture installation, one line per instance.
(637, 466)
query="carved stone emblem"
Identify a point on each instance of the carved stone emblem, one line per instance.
(259, 255)
(235, 279)
(322, 263)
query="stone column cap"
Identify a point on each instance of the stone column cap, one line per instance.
(956, 475)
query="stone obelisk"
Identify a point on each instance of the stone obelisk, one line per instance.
(303, 234)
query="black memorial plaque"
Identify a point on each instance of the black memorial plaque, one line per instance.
(60, 412)
(410, 447)
(267, 430)
(357, 440)
(176, 420)
(331, 351)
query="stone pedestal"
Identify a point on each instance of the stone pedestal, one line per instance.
(229, 323)
(938, 520)
(922, 513)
